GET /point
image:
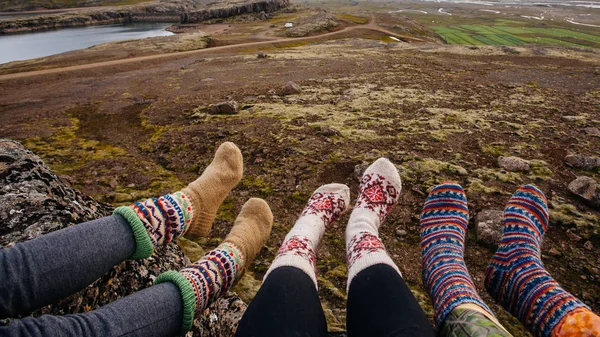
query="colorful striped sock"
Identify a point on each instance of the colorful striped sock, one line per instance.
(157, 221)
(516, 277)
(206, 280)
(443, 226)
(378, 192)
(299, 248)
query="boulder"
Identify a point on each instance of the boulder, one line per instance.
(572, 118)
(489, 226)
(328, 132)
(582, 162)
(592, 131)
(291, 88)
(513, 164)
(35, 201)
(225, 108)
(587, 189)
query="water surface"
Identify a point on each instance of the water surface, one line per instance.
(25, 46)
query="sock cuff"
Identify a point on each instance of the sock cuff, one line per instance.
(188, 296)
(143, 244)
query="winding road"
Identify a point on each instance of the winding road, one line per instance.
(372, 25)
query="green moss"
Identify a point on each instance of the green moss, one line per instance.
(478, 186)
(563, 214)
(492, 174)
(191, 249)
(68, 152)
(258, 183)
(493, 149)
(247, 287)
(300, 196)
(330, 289)
(226, 211)
(438, 166)
(353, 18)
(539, 169)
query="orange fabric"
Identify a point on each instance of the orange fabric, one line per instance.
(579, 323)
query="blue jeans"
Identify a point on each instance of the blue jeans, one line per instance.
(44, 270)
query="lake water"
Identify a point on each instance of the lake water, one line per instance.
(25, 46)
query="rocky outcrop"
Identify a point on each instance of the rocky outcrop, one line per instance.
(587, 189)
(582, 162)
(64, 21)
(266, 6)
(35, 201)
(184, 12)
(313, 24)
(290, 88)
(489, 226)
(225, 108)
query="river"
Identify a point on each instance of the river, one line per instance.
(25, 46)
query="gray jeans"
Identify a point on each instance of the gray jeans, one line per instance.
(44, 270)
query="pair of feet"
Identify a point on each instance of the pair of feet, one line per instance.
(378, 192)
(191, 211)
(515, 277)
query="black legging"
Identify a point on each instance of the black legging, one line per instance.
(380, 304)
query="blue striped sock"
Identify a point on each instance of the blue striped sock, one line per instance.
(443, 226)
(516, 277)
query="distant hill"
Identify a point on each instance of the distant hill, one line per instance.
(28, 5)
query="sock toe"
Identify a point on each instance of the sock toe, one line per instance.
(385, 168)
(251, 229)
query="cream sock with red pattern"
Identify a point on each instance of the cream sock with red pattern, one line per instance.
(299, 247)
(379, 190)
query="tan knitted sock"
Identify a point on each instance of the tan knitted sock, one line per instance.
(210, 189)
(251, 229)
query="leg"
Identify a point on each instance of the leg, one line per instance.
(41, 271)
(287, 303)
(155, 311)
(459, 311)
(379, 302)
(517, 279)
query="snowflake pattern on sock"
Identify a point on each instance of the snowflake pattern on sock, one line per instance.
(377, 194)
(299, 246)
(362, 244)
(327, 206)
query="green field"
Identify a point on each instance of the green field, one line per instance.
(504, 34)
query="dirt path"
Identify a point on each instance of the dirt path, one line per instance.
(370, 26)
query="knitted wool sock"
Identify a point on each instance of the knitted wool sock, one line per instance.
(443, 226)
(516, 277)
(379, 190)
(158, 221)
(206, 280)
(299, 248)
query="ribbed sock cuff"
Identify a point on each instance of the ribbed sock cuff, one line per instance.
(187, 296)
(143, 244)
